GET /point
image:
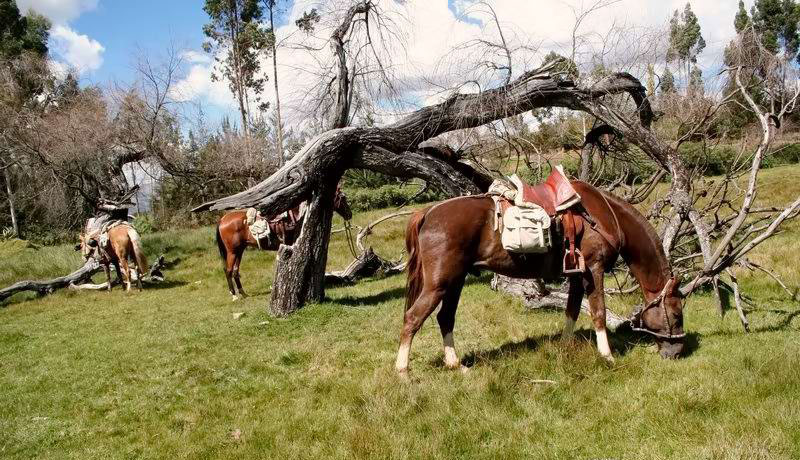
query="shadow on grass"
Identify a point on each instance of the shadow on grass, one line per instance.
(784, 322)
(622, 342)
(380, 297)
(166, 284)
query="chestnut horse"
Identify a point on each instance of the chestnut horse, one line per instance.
(457, 236)
(122, 243)
(233, 237)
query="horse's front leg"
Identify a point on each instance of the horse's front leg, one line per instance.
(597, 307)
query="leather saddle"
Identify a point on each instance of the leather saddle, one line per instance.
(558, 198)
(285, 225)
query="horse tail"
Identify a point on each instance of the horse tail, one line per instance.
(414, 267)
(221, 246)
(138, 253)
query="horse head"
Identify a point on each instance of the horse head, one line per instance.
(340, 204)
(87, 245)
(662, 318)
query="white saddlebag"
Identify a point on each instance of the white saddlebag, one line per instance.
(526, 230)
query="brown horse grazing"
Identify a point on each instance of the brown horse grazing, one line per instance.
(233, 237)
(457, 236)
(121, 244)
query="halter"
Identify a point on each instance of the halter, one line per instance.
(636, 319)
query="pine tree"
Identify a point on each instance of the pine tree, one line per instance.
(236, 39)
(742, 19)
(667, 83)
(696, 82)
(776, 22)
(19, 34)
(685, 39)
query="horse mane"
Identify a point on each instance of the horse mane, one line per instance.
(652, 236)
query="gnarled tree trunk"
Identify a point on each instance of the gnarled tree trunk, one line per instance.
(300, 268)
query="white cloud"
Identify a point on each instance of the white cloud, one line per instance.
(431, 30)
(58, 11)
(196, 57)
(79, 51)
(198, 84)
(75, 50)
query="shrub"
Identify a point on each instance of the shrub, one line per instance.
(144, 223)
(387, 196)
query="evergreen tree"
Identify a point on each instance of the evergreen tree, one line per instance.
(742, 19)
(236, 39)
(19, 34)
(685, 39)
(667, 83)
(776, 21)
(696, 82)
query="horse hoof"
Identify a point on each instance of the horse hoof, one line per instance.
(234, 298)
(609, 358)
(403, 375)
(464, 369)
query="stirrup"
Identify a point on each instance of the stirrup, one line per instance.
(581, 264)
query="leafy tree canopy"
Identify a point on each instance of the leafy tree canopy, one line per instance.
(19, 34)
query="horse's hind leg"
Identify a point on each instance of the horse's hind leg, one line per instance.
(427, 301)
(230, 262)
(126, 270)
(237, 262)
(574, 299)
(447, 318)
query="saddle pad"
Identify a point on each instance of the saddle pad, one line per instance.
(526, 230)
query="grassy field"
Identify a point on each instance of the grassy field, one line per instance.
(169, 373)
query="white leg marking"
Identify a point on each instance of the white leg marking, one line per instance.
(569, 329)
(401, 365)
(450, 357)
(602, 344)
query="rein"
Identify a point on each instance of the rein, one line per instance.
(636, 319)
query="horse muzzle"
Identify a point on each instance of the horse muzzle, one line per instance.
(670, 348)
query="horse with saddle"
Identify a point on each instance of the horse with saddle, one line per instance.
(559, 228)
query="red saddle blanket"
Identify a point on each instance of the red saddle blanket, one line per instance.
(555, 194)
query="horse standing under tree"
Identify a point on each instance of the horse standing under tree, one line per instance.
(114, 244)
(457, 236)
(234, 236)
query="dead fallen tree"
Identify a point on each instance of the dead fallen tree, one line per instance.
(76, 280)
(313, 173)
(367, 263)
(535, 294)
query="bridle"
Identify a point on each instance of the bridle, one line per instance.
(636, 318)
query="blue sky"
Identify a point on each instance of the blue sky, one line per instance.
(121, 26)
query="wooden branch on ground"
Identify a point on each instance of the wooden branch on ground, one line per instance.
(80, 275)
(365, 265)
(534, 294)
(78, 278)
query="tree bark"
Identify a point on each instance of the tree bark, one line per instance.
(300, 268)
(11, 209)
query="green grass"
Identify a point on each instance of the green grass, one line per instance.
(168, 373)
